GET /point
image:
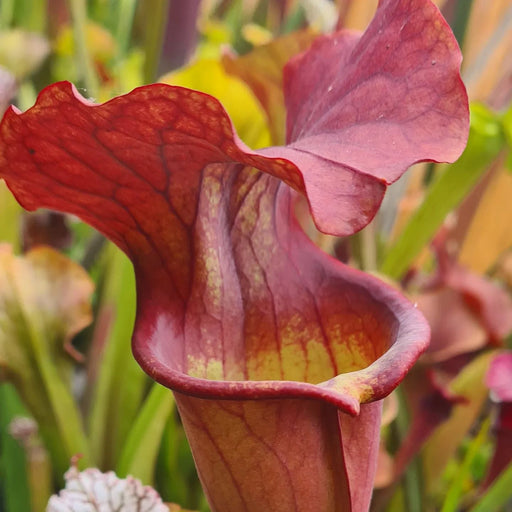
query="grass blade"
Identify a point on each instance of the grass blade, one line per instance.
(141, 448)
(486, 141)
(498, 495)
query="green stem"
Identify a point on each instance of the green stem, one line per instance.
(126, 13)
(156, 16)
(85, 62)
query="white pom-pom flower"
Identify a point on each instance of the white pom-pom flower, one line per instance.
(94, 491)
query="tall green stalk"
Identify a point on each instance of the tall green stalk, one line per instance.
(84, 59)
(156, 21)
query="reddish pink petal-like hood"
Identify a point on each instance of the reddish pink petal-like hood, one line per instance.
(217, 251)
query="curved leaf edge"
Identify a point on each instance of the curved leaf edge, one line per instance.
(278, 160)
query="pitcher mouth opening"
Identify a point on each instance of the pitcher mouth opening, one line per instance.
(400, 334)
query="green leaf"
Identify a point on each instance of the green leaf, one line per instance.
(139, 455)
(445, 441)
(6, 13)
(121, 383)
(486, 140)
(176, 474)
(14, 487)
(498, 495)
(451, 502)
